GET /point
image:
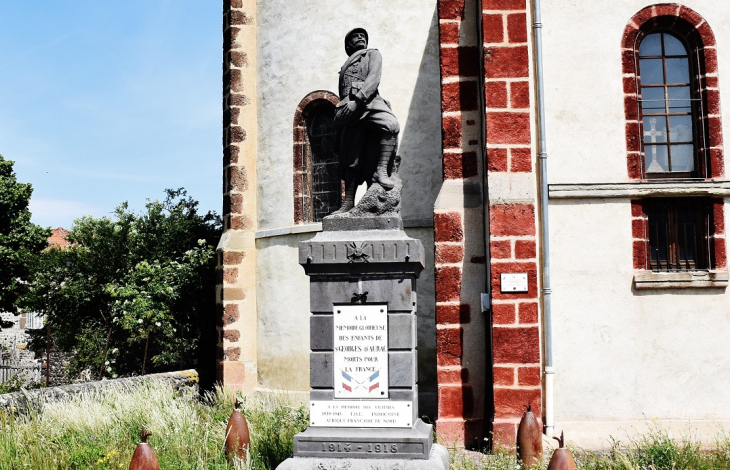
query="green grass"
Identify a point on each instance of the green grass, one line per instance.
(101, 431)
(655, 450)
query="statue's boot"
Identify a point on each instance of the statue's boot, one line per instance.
(349, 202)
(388, 146)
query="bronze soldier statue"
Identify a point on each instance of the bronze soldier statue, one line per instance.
(368, 129)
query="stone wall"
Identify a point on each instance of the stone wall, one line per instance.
(28, 399)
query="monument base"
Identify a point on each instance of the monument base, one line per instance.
(438, 460)
(365, 443)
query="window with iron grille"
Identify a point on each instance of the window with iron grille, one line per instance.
(678, 233)
(671, 107)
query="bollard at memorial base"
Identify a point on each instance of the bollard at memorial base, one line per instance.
(144, 457)
(529, 439)
(562, 458)
(238, 437)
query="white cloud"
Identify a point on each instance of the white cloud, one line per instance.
(61, 213)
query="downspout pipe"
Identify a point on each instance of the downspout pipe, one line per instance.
(548, 370)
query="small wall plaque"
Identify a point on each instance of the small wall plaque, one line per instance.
(513, 282)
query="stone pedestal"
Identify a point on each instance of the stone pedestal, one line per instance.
(363, 333)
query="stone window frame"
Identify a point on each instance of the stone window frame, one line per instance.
(691, 26)
(687, 24)
(302, 184)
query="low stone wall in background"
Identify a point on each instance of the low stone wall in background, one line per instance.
(23, 400)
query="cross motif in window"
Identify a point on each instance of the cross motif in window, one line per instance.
(653, 133)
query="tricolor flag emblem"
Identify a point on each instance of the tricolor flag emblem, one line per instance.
(346, 382)
(373, 381)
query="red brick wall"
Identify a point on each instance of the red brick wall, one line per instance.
(512, 223)
(458, 420)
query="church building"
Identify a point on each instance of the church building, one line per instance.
(562, 164)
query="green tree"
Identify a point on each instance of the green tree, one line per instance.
(21, 241)
(134, 293)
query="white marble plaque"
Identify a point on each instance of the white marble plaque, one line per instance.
(513, 282)
(361, 351)
(361, 414)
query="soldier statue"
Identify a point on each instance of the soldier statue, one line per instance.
(368, 129)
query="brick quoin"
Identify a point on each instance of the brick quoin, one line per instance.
(525, 249)
(517, 28)
(449, 254)
(496, 94)
(493, 26)
(508, 128)
(506, 62)
(528, 313)
(448, 227)
(449, 33)
(503, 4)
(453, 314)
(516, 345)
(453, 376)
(528, 376)
(448, 346)
(460, 165)
(497, 159)
(512, 219)
(456, 401)
(460, 96)
(501, 249)
(510, 403)
(448, 284)
(504, 375)
(504, 314)
(521, 160)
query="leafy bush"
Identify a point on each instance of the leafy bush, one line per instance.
(134, 293)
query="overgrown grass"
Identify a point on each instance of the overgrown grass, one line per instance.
(655, 450)
(102, 431)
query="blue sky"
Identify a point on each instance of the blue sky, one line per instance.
(109, 101)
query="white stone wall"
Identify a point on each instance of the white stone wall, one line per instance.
(300, 50)
(622, 357)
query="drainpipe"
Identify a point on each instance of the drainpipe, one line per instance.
(549, 372)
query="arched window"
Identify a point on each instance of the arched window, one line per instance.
(674, 132)
(317, 187)
(670, 107)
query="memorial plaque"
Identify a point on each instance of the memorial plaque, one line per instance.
(361, 351)
(361, 414)
(513, 282)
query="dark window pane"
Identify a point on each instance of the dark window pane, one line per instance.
(680, 128)
(678, 99)
(651, 71)
(682, 157)
(677, 71)
(673, 46)
(325, 179)
(651, 45)
(677, 241)
(652, 100)
(655, 129)
(657, 158)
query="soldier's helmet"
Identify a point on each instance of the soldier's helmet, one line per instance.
(350, 33)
